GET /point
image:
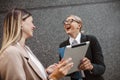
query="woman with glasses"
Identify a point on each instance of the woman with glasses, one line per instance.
(92, 65)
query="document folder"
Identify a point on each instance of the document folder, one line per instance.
(76, 52)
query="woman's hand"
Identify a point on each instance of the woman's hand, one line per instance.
(51, 68)
(62, 69)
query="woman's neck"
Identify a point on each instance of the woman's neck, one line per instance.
(22, 42)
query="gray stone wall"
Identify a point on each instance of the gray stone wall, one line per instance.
(100, 18)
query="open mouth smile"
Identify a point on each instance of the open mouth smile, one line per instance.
(68, 28)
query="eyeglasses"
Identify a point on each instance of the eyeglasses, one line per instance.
(70, 21)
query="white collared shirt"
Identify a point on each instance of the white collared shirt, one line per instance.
(78, 38)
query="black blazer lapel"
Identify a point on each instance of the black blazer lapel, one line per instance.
(67, 42)
(83, 38)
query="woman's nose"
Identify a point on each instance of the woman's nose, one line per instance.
(34, 26)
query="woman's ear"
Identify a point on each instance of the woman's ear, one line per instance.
(22, 24)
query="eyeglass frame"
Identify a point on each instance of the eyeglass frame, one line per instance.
(69, 21)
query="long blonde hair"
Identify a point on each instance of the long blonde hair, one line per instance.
(12, 27)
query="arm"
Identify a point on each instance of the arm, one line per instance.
(12, 66)
(98, 59)
(96, 64)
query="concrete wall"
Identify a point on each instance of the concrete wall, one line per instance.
(100, 18)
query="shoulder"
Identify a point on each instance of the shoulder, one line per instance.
(94, 42)
(11, 62)
(10, 52)
(12, 49)
(10, 57)
(91, 36)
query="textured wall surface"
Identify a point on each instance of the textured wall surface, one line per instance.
(100, 18)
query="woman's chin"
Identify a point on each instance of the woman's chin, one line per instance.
(30, 36)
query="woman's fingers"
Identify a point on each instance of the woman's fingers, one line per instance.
(62, 69)
(51, 68)
(63, 63)
(66, 68)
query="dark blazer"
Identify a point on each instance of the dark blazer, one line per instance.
(95, 55)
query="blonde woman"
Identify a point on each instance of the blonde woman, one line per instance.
(17, 62)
